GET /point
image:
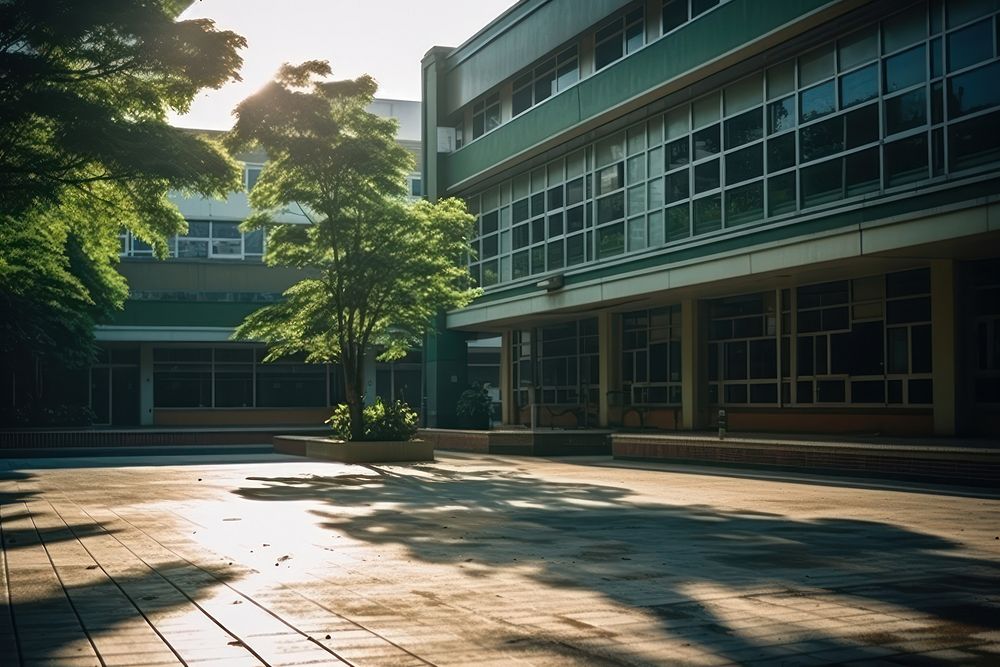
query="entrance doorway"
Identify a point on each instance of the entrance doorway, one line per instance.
(114, 388)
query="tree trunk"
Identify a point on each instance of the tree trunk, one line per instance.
(353, 383)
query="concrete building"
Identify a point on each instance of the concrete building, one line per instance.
(167, 359)
(785, 210)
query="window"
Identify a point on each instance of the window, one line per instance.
(651, 356)
(618, 38)
(486, 115)
(543, 81)
(889, 105)
(743, 350)
(416, 187)
(251, 173)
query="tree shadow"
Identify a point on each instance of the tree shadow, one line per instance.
(665, 560)
(67, 624)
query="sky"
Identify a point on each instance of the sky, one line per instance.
(383, 38)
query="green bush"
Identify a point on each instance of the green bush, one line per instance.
(474, 407)
(395, 422)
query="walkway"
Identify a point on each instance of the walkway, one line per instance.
(485, 560)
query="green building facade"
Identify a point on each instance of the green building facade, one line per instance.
(786, 210)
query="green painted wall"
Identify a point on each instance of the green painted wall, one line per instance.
(182, 314)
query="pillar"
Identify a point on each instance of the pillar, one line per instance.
(694, 370)
(369, 386)
(943, 345)
(146, 384)
(507, 402)
(610, 366)
(445, 375)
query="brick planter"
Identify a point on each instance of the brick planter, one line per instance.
(354, 452)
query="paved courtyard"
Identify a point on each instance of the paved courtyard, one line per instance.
(486, 560)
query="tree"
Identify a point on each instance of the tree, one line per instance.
(378, 269)
(85, 151)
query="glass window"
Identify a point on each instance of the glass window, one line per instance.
(611, 240)
(821, 139)
(781, 79)
(678, 223)
(862, 172)
(817, 101)
(974, 142)
(906, 160)
(974, 91)
(701, 6)
(677, 153)
(675, 14)
(859, 86)
(960, 11)
(781, 194)
(862, 126)
(781, 152)
(822, 183)
(706, 142)
(858, 48)
(970, 45)
(906, 111)
(677, 186)
(816, 65)
(743, 94)
(745, 204)
(781, 115)
(744, 164)
(707, 214)
(611, 149)
(905, 69)
(705, 110)
(610, 178)
(744, 128)
(904, 28)
(706, 176)
(677, 123)
(611, 208)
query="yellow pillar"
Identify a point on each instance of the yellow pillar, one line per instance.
(943, 342)
(692, 380)
(506, 390)
(610, 365)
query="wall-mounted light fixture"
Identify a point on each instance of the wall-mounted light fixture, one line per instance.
(551, 283)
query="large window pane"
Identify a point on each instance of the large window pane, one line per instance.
(781, 194)
(974, 142)
(678, 222)
(821, 139)
(822, 183)
(781, 115)
(707, 214)
(970, 45)
(781, 152)
(677, 186)
(817, 101)
(706, 176)
(744, 128)
(858, 86)
(706, 142)
(862, 172)
(611, 240)
(816, 65)
(857, 48)
(862, 126)
(974, 91)
(677, 153)
(906, 111)
(745, 164)
(745, 204)
(905, 69)
(904, 28)
(906, 160)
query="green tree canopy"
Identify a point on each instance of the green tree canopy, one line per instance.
(85, 151)
(378, 268)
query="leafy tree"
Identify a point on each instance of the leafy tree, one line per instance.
(85, 150)
(378, 269)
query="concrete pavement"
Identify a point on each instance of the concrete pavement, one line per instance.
(263, 559)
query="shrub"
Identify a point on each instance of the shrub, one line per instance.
(475, 405)
(395, 421)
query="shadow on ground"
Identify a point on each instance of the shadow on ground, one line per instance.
(661, 559)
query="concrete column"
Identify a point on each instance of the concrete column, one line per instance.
(445, 374)
(692, 381)
(506, 380)
(943, 342)
(610, 365)
(146, 384)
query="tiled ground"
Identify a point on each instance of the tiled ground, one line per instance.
(485, 560)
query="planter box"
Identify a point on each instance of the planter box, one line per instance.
(354, 452)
